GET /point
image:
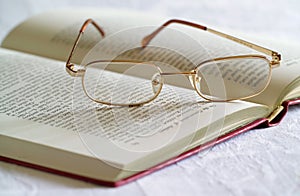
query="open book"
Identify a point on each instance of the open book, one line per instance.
(47, 122)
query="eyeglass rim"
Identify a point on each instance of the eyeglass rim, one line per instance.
(122, 61)
(269, 62)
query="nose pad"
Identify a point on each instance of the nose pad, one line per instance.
(191, 78)
(197, 80)
(156, 82)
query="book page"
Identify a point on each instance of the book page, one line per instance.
(51, 36)
(42, 104)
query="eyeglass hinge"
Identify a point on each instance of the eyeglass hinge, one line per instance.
(276, 58)
(75, 72)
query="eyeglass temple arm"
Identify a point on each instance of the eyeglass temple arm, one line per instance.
(70, 66)
(276, 57)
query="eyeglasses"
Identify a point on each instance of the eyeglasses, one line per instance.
(134, 83)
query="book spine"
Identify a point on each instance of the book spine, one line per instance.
(279, 113)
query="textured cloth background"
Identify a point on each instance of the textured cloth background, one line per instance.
(260, 162)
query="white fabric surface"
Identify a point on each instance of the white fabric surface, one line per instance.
(260, 162)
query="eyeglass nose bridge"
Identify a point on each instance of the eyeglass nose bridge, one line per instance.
(193, 72)
(191, 75)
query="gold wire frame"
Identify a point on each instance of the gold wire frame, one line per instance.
(79, 72)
